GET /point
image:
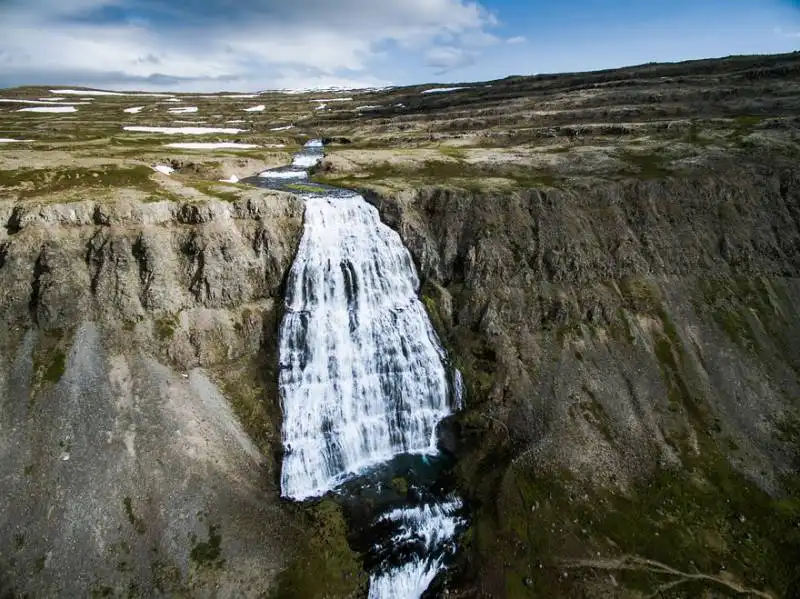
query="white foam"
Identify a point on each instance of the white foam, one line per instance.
(284, 175)
(306, 160)
(211, 145)
(286, 128)
(442, 90)
(134, 109)
(49, 109)
(163, 168)
(183, 109)
(259, 108)
(182, 130)
(8, 140)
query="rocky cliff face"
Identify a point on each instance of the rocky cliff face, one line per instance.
(138, 412)
(631, 355)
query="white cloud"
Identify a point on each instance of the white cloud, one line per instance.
(519, 39)
(447, 58)
(780, 31)
(252, 44)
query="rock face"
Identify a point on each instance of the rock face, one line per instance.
(138, 412)
(631, 356)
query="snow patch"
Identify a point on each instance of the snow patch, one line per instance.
(333, 100)
(134, 109)
(286, 128)
(37, 102)
(321, 107)
(211, 145)
(183, 130)
(183, 109)
(49, 109)
(98, 92)
(8, 140)
(163, 168)
(365, 108)
(442, 90)
(259, 108)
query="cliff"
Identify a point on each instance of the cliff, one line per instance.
(630, 350)
(137, 447)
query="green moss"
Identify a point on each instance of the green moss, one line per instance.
(400, 485)
(304, 188)
(702, 518)
(137, 524)
(37, 182)
(165, 327)
(55, 370)
(207, 553)
(648, 166)
(324, 565)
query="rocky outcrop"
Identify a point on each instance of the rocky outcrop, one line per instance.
(138, 411)
(630, 350)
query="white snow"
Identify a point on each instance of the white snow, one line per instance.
(183, 109)
(211, 145)
(375, 107)
(37, 102)
(321, 107)
(51, 99)
(442, 90)
(97, 92)
(400, 105)
(173, 100)
(284, 175)
(236, 121)
(189, 122)
(259, 108)
(163, 168)
(134, 109)
(49, 109)
(242, 96)
(183, 130)
(286, 128)
(231, 179)
(8, 140)
(333, 100)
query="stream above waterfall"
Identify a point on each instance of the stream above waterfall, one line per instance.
(365, 385)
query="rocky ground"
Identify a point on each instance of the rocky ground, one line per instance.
(611, 258)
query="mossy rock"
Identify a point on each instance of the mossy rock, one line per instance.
(324, 564)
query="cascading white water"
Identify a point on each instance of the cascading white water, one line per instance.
(362, 376)
(429, 527)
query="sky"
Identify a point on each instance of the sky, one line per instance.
(251, 45)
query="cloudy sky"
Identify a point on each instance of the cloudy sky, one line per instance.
(210, 45)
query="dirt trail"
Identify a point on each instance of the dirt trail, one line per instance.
(633, 562)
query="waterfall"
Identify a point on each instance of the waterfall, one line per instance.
(362, 373)
(427, 531)
(363, 377)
